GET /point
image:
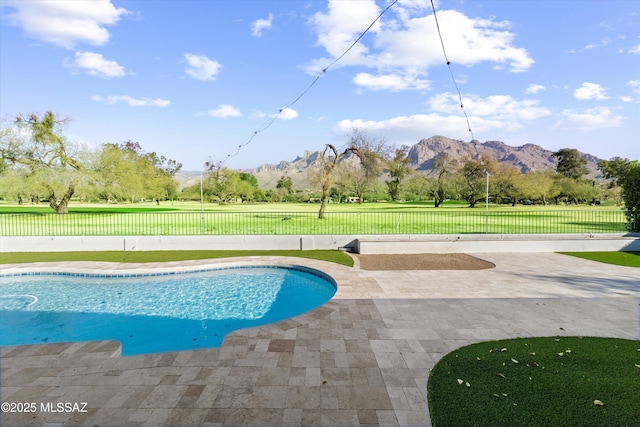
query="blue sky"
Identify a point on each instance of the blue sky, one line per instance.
(194, 79)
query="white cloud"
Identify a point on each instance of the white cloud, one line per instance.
(635, 50)
(602, 42)
(590, 91)
(65, 23)
(405, 44)
(259, 25)
(495, 107)
(287, 114)
(409, 129)
(534, 88)
(131, 101)
(390, 82)
(283, 114)
(201, 68)
(224, 111)
(635, 89)
(344, 21)
(592, 119)
(95, 65)
(490, 114)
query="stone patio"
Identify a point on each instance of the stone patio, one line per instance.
(361, 359)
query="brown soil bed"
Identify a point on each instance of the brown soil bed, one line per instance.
(422, 262)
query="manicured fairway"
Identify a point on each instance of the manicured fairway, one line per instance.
(550, 381)
(301, 218)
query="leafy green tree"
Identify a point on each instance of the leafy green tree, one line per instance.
(631, 195)
(538, 185)
(444, 168)
(224, 185)
(127, 172)
(399, 168)
(626, 173)
(474, 174)
(286, 183)
(570, 164)
(508, 182)
(48, 163)
(417, 186)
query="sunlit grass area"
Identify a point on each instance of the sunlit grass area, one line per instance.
(167, 206)
(550, 381)
(186, 218)
(628, 259)
(164, 256)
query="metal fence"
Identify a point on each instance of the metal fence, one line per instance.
(305, 223)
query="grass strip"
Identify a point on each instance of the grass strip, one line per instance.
(549, 381)
(627, 259)
(164, 256)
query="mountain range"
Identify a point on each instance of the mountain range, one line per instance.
(527, 157)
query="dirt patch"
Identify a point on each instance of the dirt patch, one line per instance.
(422, 262)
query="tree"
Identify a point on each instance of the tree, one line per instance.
(47, 161)
(508, 183)
(224, 185)
(286, 183)
(538, 185)
(417, 186)
(372, 154)
(444, 167)
(570, 164)
(615, 169)
(322, 173)
(398, 169)
(474, 173)
(626, 173)
(631, 195)
(127, 172)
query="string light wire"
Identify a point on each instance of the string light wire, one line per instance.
(304, 91)
(455, 83)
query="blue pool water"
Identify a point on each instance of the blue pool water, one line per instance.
(152, 314)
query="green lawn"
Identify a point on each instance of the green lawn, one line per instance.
(185, 218)
(163, 256)
(627, 259)
(449, 205)
(550, 381)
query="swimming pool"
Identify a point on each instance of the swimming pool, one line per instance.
(155, 313)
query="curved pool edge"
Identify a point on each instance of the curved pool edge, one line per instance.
(114, 347)
(120, 268)
(340, 275)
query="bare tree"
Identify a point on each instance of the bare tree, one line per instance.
(374, 154)
(322, 173)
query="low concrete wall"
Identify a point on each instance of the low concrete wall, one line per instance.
(499, 243)
(179, 243)
(369, 244)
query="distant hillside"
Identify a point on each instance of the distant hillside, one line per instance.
(527, 157)
(187, 178)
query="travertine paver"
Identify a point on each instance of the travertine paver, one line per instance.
(361, 359)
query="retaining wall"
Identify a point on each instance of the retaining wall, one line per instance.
(369, 244)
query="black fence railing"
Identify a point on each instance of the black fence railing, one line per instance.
(304, 223)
